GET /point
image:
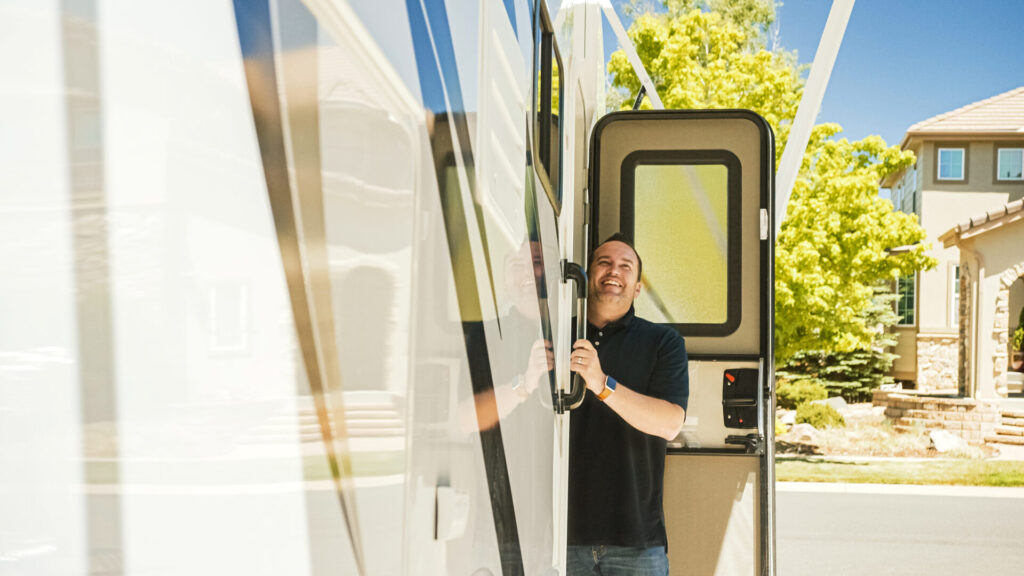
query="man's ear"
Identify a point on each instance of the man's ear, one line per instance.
(636, 291)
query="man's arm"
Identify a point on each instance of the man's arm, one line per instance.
(647, 414)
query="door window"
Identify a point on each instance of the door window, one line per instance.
(681, 209)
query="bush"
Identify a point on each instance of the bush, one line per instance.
(820, 416)
(792, 393)
(780, 428)
(1018, 334)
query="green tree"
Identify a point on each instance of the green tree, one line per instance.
(831, 250)
(711, 54)
(852, 375)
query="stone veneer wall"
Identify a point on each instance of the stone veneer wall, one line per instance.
(937, 362)
(970, 419)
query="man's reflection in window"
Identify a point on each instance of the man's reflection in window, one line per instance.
(524, 361)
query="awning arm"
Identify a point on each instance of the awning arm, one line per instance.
(810, 104)
(634, 59)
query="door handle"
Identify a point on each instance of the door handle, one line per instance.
(573, 272)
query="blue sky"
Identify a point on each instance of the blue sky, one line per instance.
(903, 61)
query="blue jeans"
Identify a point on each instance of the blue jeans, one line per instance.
(616, 561)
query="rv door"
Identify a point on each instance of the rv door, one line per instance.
(694, 191)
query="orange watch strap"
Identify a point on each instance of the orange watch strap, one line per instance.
(604, 394)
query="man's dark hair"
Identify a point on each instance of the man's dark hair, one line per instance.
(620, 237)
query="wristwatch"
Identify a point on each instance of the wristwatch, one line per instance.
(609, 387)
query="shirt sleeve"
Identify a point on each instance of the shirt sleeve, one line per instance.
(670, 379)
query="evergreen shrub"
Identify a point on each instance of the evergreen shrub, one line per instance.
(852, 374)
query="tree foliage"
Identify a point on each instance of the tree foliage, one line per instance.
(831, 253)
(712, 54)
(854, 374)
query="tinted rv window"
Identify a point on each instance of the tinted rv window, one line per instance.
(547, 109)
(683, 211)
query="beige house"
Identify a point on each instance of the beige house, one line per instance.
(969, 162)
(991, 247)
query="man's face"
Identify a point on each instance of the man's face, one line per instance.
(613, 274)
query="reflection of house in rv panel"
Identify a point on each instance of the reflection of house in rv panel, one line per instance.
(957, 320)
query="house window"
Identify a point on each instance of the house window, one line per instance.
(1011, 162)
(954, 297)
(951, 163)
(905, 304)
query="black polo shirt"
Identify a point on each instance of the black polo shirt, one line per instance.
(616, 472)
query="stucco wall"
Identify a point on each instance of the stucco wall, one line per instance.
(940, 211)
(981, 168)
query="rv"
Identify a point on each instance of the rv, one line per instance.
(275, 275)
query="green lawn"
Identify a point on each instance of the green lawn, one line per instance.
(938, 471)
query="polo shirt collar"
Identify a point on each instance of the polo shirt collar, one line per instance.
(616, 325)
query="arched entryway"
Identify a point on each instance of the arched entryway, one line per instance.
(1008, 305)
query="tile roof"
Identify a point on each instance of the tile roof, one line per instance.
(1003, 113)
(982, 219)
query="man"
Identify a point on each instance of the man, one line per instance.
(636, 373)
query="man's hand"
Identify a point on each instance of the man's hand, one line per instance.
(584, 361)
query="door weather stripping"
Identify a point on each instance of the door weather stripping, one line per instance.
(634, 59)
(810, 103)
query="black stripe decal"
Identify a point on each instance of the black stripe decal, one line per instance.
(298, 214)
(91, 237)
(438, 79)
(440, 33)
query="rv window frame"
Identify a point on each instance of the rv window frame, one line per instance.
(545, 52)
(734, 212)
